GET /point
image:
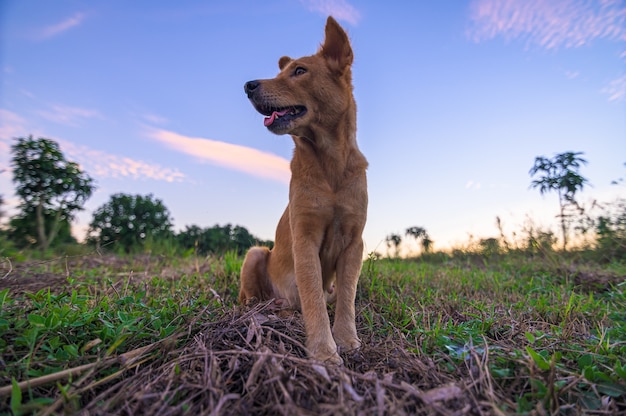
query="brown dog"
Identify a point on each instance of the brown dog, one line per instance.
(318, 247)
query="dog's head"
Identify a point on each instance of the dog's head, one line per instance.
(310, 92)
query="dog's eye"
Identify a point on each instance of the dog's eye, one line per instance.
(299, 71)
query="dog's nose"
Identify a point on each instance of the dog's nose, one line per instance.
(250, 86)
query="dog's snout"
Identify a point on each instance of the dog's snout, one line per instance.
(250, 87)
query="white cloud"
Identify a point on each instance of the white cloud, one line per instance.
(69, 116)
(57, 28)
(339, 9)
(241, 158)
(95, 162)
(105, 165)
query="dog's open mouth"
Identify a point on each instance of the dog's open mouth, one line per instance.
(281, 115)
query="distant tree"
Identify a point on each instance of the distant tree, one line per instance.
(394, 240)
(218, 239)
(618, 180)
(420, 233)
(129, 220)
(489, 246)
(560, 174)
(51, 188)
(611, 230)
(242, 239)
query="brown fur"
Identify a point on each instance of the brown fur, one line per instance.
(318, 246)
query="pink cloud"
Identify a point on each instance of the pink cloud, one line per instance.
(241, 158)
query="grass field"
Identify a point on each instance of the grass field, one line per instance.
(453, 336)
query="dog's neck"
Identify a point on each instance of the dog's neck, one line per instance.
(333, 152)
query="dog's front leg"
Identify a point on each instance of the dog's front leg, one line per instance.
(348, 270)
(320, 342)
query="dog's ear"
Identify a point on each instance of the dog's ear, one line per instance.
(336, 48)
(282, 62)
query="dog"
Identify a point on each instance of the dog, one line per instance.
(318, 248)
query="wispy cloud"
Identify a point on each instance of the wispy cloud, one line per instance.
(11, 125)
(105, 165)
(616, 90)
(552, 24)
(339, 9)
(155, 119)
(57, 28)
(241, 158)
(474, 186)
(96, 163)
(69, 116)
(549, 23)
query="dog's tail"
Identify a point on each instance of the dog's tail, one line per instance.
(255, 282)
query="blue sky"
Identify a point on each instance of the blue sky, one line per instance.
(455, 100)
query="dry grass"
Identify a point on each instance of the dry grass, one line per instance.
(253, 362)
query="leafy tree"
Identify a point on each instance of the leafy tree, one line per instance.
(420, 233)
(129, 221)
(50, 187)
(560, 174)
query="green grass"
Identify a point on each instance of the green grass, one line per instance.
(541, 337)
(520, 333)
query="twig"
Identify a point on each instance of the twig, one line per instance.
(125, 360)
(10, 268)
(48, 378)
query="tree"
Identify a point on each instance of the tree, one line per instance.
(129, 221)
(50, 187)
(218, 239)
(1, 204)
(395, 240)
(420, 233)
(23, 229)
(560, 174)
(619, 180)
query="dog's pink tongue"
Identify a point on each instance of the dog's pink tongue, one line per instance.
(269, 120)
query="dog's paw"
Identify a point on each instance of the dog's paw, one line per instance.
(326, 353)
(251, 301)
(348, 343)
(334, 359)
